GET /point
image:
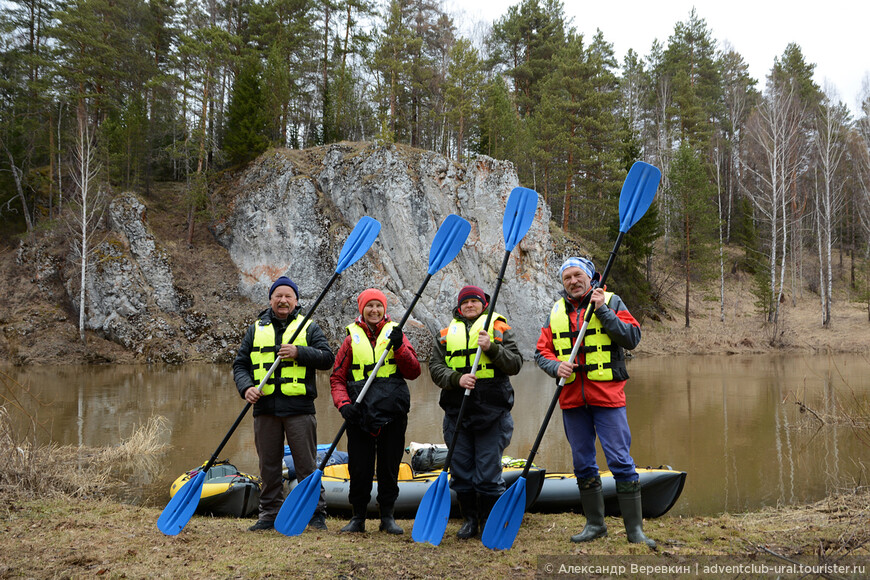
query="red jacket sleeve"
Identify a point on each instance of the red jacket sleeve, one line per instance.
(340, 373)
(545, 344)
(406, 360)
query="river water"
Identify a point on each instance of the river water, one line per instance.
(733, 423)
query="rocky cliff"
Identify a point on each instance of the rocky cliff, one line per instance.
(288, 212)
(289, 218)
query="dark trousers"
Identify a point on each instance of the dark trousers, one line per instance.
(476, 462)
(363, 450)
(269, 434)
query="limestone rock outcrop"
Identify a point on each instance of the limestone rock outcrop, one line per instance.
(288, 212)
(292, 218)
(130, 290)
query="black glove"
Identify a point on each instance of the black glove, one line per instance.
(396, 338)
(350, 413)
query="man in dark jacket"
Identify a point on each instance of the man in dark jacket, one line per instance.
(487, 425)
(285, 406)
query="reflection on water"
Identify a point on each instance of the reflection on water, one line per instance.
(733, 423)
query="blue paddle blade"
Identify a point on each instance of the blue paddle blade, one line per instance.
(358, 242)
(180, 508)
(637, 193)
(505, 518)
(298, 508)
(433, 512)
(519, 213)
(448, 241)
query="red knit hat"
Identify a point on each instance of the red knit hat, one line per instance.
(472, 292)
(368, 295)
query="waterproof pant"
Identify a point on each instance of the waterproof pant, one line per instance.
(363, 450)
(610, 425)
(476, 462)
(270, 431)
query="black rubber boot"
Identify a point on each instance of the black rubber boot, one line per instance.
(388, 523)
(357, 523)
(592, 500)
(484, 506)
(632, 512)
(468, 508)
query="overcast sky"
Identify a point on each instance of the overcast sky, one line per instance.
(832, 34)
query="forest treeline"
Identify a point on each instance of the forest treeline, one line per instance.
(99, 96)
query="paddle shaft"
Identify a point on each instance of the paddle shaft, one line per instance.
(586, 318)
(269, 374)
(455, 438)
(374, 372)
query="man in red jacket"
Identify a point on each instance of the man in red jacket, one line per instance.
(593, 399)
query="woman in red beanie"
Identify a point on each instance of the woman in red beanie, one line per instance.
(376, 426)
(487, 425)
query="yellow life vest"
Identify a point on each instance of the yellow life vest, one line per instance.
(461, 346)
(289, 374)
(597, 344)
(365, 357)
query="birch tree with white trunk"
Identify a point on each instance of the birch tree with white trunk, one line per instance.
(88, 202)
(775, 129)
(830, 144)
(863, 127)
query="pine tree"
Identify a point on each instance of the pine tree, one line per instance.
(524, 43)
(690, 190)
(392, 58)
(690, 62)
(284, 33)
(499, 127)
(24, 109)
(463, 85)
(246, 129)
(352, 110)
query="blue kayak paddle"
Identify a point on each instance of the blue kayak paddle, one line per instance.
(298, 508)
(506, 516)
(180, 508)
(434, 508)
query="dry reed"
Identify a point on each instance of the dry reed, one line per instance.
(37, 471)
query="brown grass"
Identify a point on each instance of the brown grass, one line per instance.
(32, 471)
(57, 526)
(76, 538)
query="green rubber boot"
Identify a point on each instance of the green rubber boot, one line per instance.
(628, 494)
(592, 500)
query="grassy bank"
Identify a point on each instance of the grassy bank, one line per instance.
(71, 538)
(59, 520)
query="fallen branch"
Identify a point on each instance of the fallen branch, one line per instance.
(805, 409)
(796, 563)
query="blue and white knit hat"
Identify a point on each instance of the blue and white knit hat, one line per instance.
(582, 263)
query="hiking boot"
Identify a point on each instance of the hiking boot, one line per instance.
(262, 525)
(318, 522)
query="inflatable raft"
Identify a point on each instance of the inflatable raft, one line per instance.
(412, 487)
(226, 491)
(545, 492)
(660, 489)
